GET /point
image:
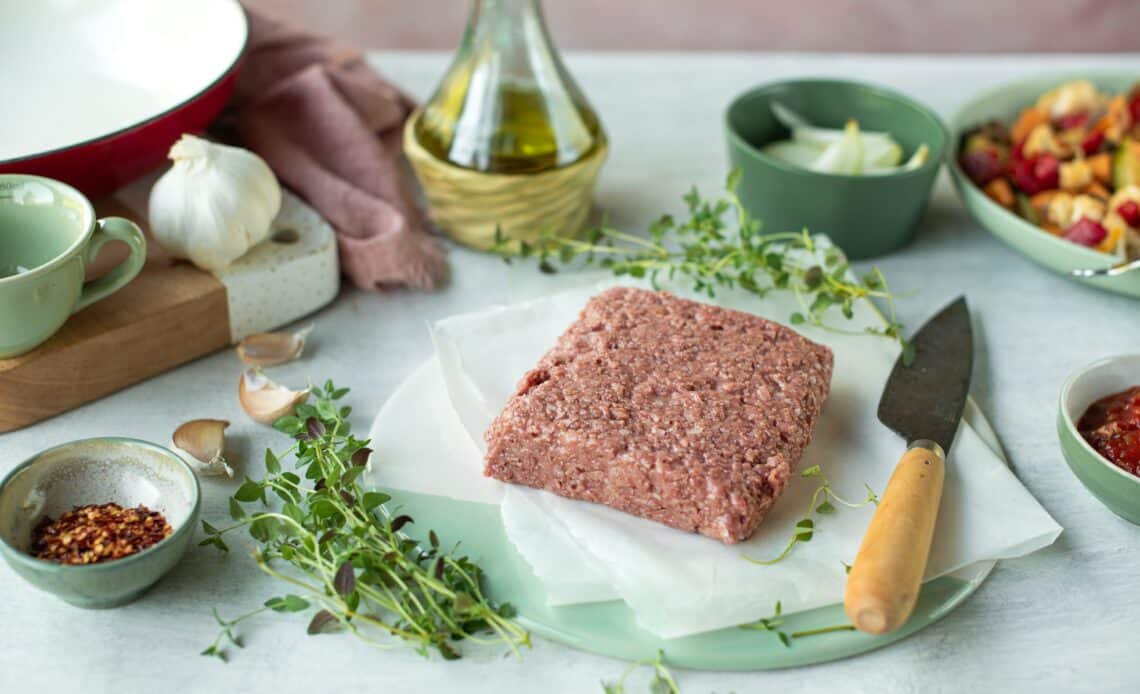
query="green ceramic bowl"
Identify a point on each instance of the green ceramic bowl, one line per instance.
(96, 471)
(1004, 103)
(1117, 489)
(866, 216)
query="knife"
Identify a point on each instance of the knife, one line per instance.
(923, 403)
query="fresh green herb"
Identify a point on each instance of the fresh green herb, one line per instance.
(707, 252)
(805, 527)
(662, 682)
(341, 549)
(772, 624)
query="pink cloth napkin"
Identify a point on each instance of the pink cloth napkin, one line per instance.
(330, 128)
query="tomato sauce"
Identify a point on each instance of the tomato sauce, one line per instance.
(1112, 427)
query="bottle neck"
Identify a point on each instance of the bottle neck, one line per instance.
(507, 26)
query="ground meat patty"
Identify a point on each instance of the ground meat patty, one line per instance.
(691, 415)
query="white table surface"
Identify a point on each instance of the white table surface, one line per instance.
(1063, 619)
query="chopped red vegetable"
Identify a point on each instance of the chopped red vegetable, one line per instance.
(982, 165)
(1087, 232)
(1130, 212)
(1091, 144)
(1036, 174)
(1073, 120)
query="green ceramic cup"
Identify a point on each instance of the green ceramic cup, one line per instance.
(866, 216)
(48, 236)
(1115, 488)
(98, 471)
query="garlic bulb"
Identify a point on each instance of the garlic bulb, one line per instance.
(214, 204)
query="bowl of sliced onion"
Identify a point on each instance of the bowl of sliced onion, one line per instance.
(853, 161)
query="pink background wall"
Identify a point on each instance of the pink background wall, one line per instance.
(937, 26)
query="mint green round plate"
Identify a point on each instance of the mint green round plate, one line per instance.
(609, 628)
(1004, 103)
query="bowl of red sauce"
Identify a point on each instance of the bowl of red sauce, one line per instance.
(1099, 428)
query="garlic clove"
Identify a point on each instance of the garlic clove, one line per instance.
(271, 349)
(266, 401)
(201, 443)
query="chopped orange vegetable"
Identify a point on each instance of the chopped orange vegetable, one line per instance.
(1101, 165)
(1052, 229)
(1040, 202)
(1000, 192)
(1110, 242)
(1097, 190)
(1029, 119)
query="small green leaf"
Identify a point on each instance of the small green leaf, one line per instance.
(326, 409)
(272, 465)
(289, 425)
(211, 530)
(236, 511)
(289, 603)
(813, 471)
(797, 318)
(371, 500)
(825, 507)
(732, 181)
(249, 491)
(323, 509)
(784, 639)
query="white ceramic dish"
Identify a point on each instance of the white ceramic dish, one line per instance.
(89, 74)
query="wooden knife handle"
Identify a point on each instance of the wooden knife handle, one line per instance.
(884, 581)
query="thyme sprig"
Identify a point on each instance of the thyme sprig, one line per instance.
(341, 549)
(662, 682)
(772, 624)
(708, 252)
(805, 527)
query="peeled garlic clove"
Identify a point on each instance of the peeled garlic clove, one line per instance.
(201, 443)
(270, 349)
(266, 401)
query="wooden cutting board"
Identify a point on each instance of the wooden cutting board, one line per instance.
(171, 313)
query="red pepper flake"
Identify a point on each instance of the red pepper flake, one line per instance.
(97, 533)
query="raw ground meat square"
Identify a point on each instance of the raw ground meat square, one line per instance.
(688, 414)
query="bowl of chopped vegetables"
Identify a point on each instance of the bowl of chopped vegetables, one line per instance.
(853, 161)
(1051, 166)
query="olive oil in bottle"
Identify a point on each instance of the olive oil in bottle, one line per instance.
(507, 104)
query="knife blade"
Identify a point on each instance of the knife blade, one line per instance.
(923, 403)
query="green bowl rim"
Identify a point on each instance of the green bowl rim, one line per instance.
(1071, 427)
(957, 122)
(938, 152)
(64, 256)
(39, 564)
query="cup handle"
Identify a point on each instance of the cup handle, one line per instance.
(113, 229)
